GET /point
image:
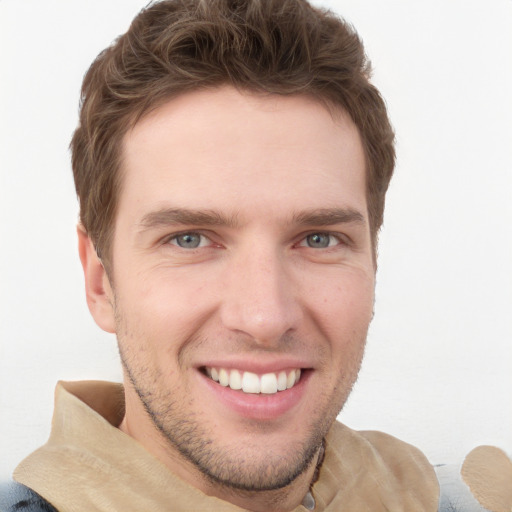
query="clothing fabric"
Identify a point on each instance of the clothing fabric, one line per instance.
(15, 497)
(487, 471)
(88, 464)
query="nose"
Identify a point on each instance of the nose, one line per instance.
(260, 297)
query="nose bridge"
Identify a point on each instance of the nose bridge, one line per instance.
(260, 295)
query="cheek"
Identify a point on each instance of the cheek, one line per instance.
(158, 312)
(343, 306)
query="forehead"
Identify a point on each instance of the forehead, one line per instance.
(226, 149)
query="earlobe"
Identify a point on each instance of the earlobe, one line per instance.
(97, 285)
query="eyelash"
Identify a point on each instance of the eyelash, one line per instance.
(332, 236)
(176, 236)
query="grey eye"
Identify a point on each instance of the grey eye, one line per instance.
(188, 240)
(318, 240)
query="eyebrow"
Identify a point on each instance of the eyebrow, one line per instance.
(329, 217)
(177, 216)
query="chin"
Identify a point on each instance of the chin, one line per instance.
(251, 468)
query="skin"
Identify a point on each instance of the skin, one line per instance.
(260, 291)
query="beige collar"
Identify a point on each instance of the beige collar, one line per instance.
(89, 464)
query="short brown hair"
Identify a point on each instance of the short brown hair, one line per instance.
(274, 46)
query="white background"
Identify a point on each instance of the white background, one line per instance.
(438, 370)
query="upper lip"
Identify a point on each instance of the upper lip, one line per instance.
(258, 366)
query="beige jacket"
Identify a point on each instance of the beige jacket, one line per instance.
(90, 465)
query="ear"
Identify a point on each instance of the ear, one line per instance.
(98, 291)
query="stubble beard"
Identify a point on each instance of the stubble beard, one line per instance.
(242, 468)
(233, 467)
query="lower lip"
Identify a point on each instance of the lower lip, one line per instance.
(258, 406)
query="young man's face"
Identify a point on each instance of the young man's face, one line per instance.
(241, 252)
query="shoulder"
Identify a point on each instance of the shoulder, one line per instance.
(15, 497)
(382, 451)
(380, 463)
(403, 459)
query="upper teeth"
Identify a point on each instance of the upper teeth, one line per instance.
(249, 382)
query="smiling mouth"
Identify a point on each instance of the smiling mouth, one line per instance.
(248, 382)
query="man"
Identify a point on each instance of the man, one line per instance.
(231, 162)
